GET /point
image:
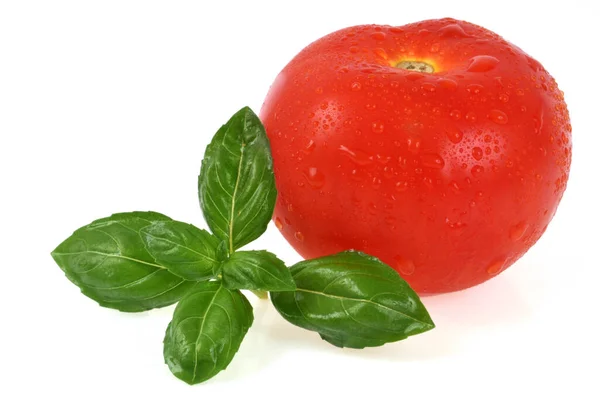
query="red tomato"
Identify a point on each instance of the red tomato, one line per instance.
(438, 147)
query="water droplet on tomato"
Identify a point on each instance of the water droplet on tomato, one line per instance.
(454, 134)
(401, 186)
(477, 170)
(404, 265)
(357, 156)
(299, 236)
(377, 127)
(448, 84)
(379, 36)
(435, 47)
(414, 145)
(278, 223)
(482, 63)
(428, 87)
(477, 153)
(432, 161)
(474, 89)
(452, 30)
(376, 182)
(315, 178)
(454, 186)
(518, 231)
(287, 221)
(455, 114)
(309, 147)
(471, 116)
(355, 86)
(414, 76)
(380, 52)
(496, 267)
(497, 116)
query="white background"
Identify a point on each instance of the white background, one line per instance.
(106, 106)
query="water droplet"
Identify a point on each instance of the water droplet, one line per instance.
(414, 76)
(497, 116)
(380, 52)
(477, 153)
(455, 114)
(474, 89)
(278, 223)
(309, 147)
(287, 221)
(455, 226)
(518, 231)
(357, 156)
(482, 63)
(319, 90)
(377, 127)
(435, 47)
(454, 134)
(471, 116)
(503, 97)
(355, 86)
(454, 186)
(299, 236)
(404, 265)
(376, 182)
(496, 267)
(452, 31)
(477, 170)
(315, 178)
(432, 161)
(379, 36)
(414, 145)
(448, 84)
(401, 186)
(429, 87)
(290, 208)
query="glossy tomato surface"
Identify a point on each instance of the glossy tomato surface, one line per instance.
(448, 171)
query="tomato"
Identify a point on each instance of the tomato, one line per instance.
(438, 147)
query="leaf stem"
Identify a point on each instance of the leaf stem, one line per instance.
(261, 294)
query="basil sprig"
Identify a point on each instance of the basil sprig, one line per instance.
(142, 260)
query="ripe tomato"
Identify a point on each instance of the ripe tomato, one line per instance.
(438, 147)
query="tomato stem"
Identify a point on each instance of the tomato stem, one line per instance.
(416, 66)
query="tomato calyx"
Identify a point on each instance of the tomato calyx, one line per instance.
(416, 66)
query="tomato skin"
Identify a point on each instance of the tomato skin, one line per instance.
(448, 177)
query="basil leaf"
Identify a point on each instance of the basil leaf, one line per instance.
(236, 186)
(183, 249)
(207, 329)
(352, 300)
(108, 261)
(257, 270)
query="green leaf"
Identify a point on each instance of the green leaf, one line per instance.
(109, 262)
(352, 300)
(183, 249)
(257, 270)
(207, 329)
(236, 186)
